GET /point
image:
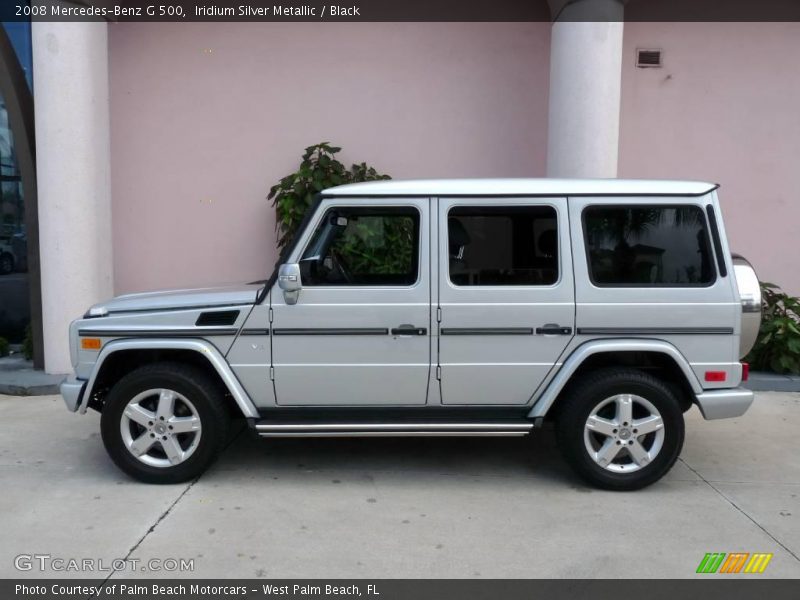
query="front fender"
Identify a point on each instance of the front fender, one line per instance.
(582, 352)
(203, 347)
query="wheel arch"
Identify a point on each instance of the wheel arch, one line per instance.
(643, 353)
(122, 356)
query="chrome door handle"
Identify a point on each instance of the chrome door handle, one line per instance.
(408, 330)
(553, 329)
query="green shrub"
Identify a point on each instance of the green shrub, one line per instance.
(3, 346)
(27, 343)
(318, 170)
(777, 348)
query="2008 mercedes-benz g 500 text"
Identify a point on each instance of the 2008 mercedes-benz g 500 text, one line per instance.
(453, 307)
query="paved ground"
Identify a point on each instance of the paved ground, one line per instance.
(402, 508)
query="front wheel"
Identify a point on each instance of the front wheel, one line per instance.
(620, 429)
(164, 423)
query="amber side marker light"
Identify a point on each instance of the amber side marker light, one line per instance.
(91, 343)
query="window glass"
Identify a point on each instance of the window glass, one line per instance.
(648, 246)
(363, 246)
(15, 305)
(503, 245)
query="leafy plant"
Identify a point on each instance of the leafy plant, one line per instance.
(3, 346)
(778, 345)
(27, 343)
(319, 169)
(378, 245)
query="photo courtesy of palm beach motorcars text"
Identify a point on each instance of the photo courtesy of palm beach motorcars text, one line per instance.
(194, 590)
(399, 300)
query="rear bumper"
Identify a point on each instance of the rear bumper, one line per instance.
(724, 404)
(72, 391)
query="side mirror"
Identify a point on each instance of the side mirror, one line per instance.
(289, 281)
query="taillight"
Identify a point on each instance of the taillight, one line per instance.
(745, 371)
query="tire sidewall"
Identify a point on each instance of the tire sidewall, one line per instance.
(201, 396)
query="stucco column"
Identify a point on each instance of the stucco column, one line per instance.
(585, 80)
(70, 77)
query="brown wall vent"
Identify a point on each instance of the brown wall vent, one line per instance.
(647, 58)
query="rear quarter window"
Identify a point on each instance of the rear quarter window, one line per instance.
(648, 246)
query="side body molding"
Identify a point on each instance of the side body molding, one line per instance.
(202, 347)
(550, 393)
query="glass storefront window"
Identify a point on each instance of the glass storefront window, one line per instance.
(14, 279)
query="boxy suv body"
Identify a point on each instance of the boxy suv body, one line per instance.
(453, 307)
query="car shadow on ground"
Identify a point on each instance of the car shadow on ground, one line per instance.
(534, 456)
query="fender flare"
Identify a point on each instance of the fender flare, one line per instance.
(203, 347)
(581, 353)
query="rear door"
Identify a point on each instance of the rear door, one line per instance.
(506, 303)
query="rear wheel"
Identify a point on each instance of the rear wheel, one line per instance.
(164, 423)
(620, 429)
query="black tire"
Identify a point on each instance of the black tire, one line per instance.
(6, 263)
(584, 395)
(189, 381)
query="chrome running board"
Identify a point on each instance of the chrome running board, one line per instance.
(430, 429)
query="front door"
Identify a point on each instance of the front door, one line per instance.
(506, 296)
(359, 333)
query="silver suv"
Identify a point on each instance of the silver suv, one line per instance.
(453, 307)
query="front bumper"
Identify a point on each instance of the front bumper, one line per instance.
(724, 404)
(72, 392)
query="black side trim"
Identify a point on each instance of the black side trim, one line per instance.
(254, 331)
(151, 333)
(331, 331)
(712, 219)
(655, 330)
(217, 318)
(486, 331)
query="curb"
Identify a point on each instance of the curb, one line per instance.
(772, 382)
(48, 389)
(18, 378)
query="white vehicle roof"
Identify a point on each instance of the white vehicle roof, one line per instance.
(522, 187)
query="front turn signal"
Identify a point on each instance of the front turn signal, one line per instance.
(91, 343)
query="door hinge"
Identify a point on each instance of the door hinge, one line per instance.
(270, 314)
(272, 373)
(439, 372)
(439, 314)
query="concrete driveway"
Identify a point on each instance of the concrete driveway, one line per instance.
(401, 508)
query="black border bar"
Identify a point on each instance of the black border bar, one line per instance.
(401, 11)
(708, 587)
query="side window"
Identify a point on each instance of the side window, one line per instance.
(363, 246)
(503, 245)
(648, 246)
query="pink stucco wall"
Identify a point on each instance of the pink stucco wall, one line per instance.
(723, 108)
(205, 117)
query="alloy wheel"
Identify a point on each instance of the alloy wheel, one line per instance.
(624, 433)
(160, 427)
